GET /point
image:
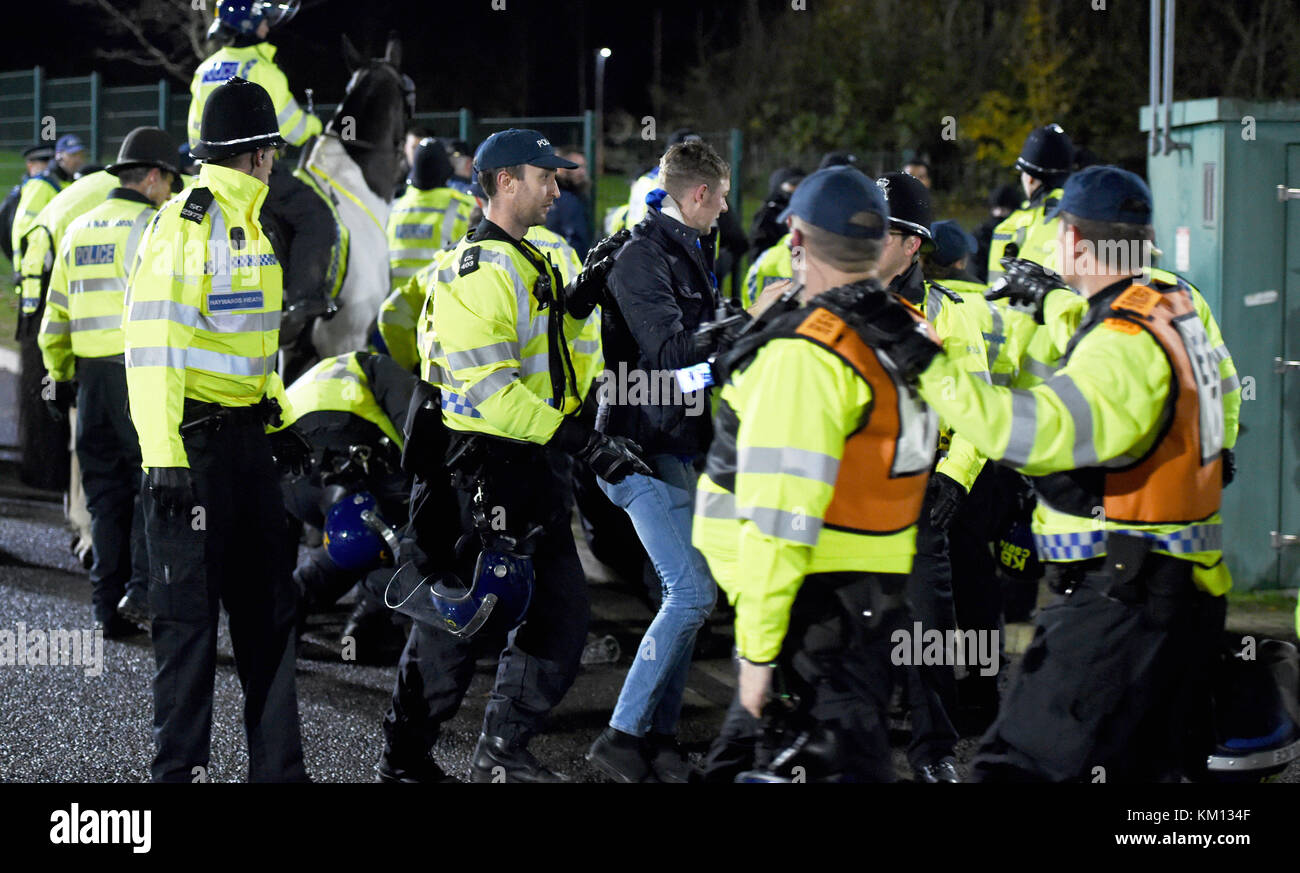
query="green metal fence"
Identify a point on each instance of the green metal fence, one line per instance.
(34, 108)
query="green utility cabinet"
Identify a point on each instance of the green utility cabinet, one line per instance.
(1222, 222)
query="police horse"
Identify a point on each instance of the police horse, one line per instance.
(357, 164)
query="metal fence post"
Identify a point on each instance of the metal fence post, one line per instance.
(164, 98)
(94, 116)
(465, 124)
(589, 152)
(38, 82)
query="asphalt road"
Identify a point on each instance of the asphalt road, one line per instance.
(59, 724)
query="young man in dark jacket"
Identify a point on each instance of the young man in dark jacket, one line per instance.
(663, 288)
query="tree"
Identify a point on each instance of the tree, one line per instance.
(167, 34)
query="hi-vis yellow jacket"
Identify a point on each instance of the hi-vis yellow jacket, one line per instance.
(506, 362)
(202, 311)
(421, 224)
(1064, 310)
(256, 64)
(83, 316)
(1029, 231)
(773, 265)
(1103, 409)
(45, 234)
(819, 464)
(35, 195)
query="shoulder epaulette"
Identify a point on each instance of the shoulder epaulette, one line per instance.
(197, 205)
(948, 292)
(468, 261)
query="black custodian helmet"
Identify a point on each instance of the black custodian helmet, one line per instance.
(239, 117)
(909, 206)
(1048, 153)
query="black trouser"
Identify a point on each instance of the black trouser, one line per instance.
(311, 229)
(541, 657)
(109, 453)
(931, 689)
(976, 583)
(1116, 683)
(230, 550)
(838, 663)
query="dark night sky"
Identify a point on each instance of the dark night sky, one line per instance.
(461, 53)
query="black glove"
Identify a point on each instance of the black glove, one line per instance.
(1229, 466)
(172, 490)
(944, 499)
(610, 457)
(903, 339)
(62, 397)
(291, 450)
(300, 314)
(720, 334)
(586, 291)
(1025, 283)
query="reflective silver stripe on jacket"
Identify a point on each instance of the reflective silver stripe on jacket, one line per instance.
(101, 322)
(1024, 427)
(483, 355)
(1085, 447)
(191, 316)
(1037, 368)
(86, 286)
(803, 463)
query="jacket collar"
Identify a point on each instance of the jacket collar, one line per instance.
(1101, 301)
(910, 284)
(240, 190)
(489, 230)
(262, 49)
(129, 194)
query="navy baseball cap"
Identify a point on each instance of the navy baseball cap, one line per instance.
(69, 143)
(840, 200)
(509, 148)
(1106, 193)
(951, 242)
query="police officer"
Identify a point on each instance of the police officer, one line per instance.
(499, 341)
(997, 494)
(430, 216)
(44, 441)
(1029, 232)
(203, 312)
(352, 408)
(932, 688)
(243, 26)
(769, 268)
(1124, 443)
(69, 157)
(35, 160)
(81, 338)
(807, 509)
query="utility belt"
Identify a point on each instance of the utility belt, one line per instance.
(1130, 573)
(199, 417)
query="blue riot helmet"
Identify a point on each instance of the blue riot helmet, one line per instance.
(242, 17)
(1256, 714)
(356, 536)
(501, 587)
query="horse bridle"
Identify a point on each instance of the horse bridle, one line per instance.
(408, 97)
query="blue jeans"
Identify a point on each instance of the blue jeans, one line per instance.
(661, 510)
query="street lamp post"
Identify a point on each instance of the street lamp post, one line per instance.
(601, 56)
